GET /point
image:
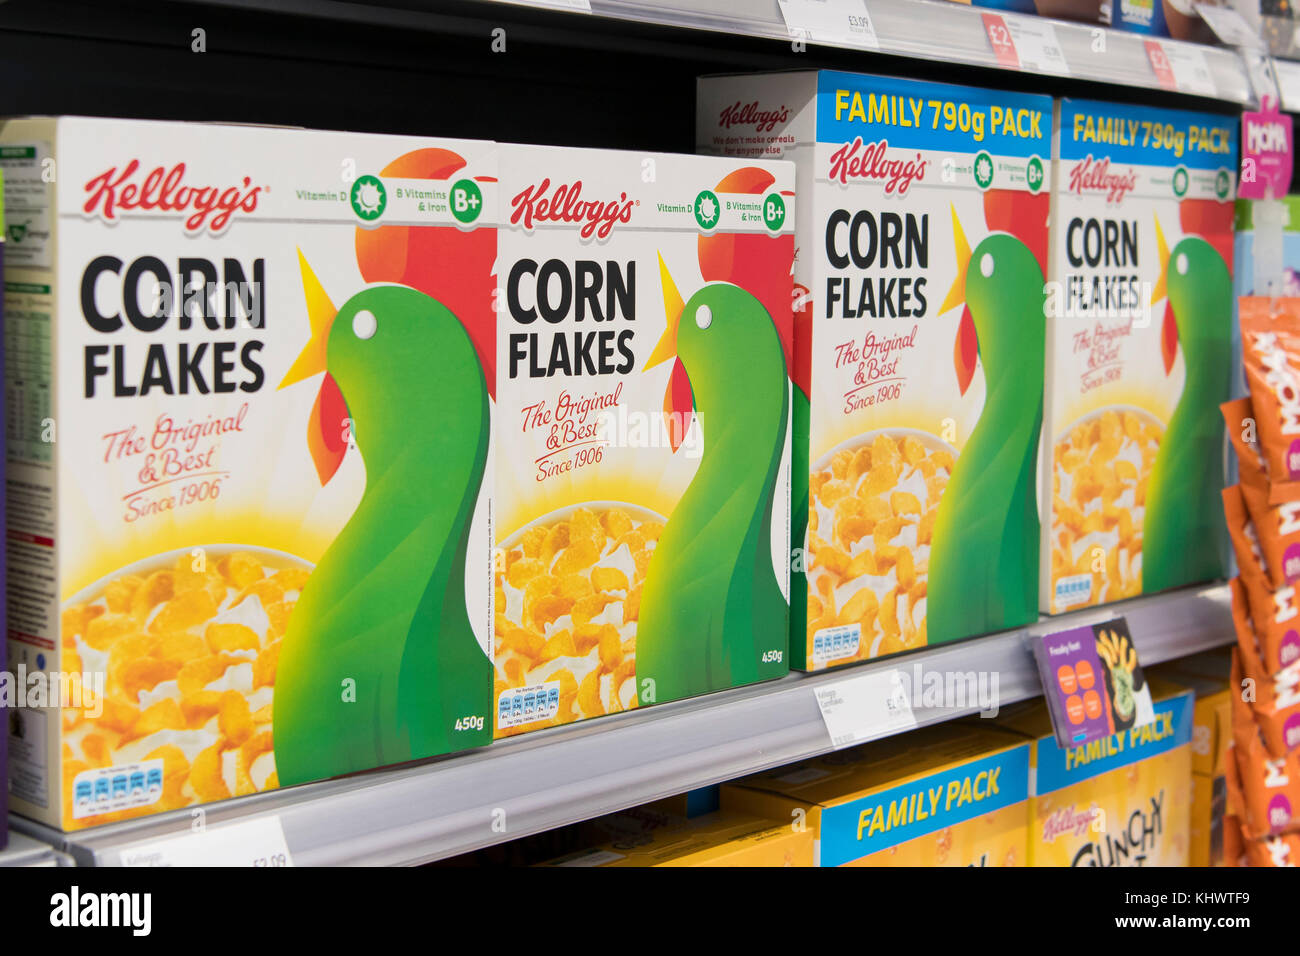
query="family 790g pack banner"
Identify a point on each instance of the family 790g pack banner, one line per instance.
(247, 510)
(922, 246)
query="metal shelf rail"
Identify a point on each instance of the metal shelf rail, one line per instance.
(420, 813)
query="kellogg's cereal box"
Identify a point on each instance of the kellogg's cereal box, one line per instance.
(922, 235)
(1138, 351)
(642, 505)
(714, 839)
(951, 795)
(242, 559)
(1122, 800)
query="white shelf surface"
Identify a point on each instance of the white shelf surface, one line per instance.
(535, 782)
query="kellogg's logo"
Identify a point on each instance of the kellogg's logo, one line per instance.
(1067, 820)
(567, 205)
(853, 160)
(748, 114)
(1097, 177)
(164, 189)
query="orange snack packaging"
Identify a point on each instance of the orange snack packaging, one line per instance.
(1276, 619)
(1270, 786)
(1274, 711)
(1244, 538)
(1278, 529)
(1239, 417)
(1270, 330)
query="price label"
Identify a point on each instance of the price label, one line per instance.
(1230, 26)
(1181, 67)
(1288, 83)
(258, 842)
(1023, 44)
(863, 708)
(837, 22)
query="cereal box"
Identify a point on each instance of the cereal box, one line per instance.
(923, 244)
(715, 839)
(643, 453)
(953, 795)
(240, 558)
(1138, 348)
(1122, 800)
(1206, 675)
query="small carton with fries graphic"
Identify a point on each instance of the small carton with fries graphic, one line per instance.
(1093, 681)
(643, 447)
(240, 561)
(922, 238)
(1139, 319)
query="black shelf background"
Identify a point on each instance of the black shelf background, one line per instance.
(416, 66)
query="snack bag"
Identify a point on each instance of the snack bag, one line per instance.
(1239, 417)
(1274, 613)
(1270, 787)
(1275, 708)
(1270, 330)
(1281, 850)
(1278, 528)
(1245, 541)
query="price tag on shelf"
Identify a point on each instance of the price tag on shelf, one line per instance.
(1288, 83)
(258, 842)
(1181, 67)
(1025, 44)
(1230, 26)
(863, 708)
(838, 22)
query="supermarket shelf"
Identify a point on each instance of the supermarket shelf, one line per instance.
(536, 782)
(25, 850)
(941, 32)
(955, 33)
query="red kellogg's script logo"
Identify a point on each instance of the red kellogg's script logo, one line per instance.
(567, 205)
(748, 114)
(1097, 177)
(163, 189)
(869, 162)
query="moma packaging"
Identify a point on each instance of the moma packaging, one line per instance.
(1139, 325)
(953, 795)
(643, 358)
(922, 234)
(1122, 800)
(246, 561)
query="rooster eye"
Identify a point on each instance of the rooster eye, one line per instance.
(704, 316)
(364, 324)
(986, 264)
(1181, 264)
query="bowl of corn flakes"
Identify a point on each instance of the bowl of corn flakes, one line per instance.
(1101, 464)
(568, 597)
(187, 644)
(872, 502)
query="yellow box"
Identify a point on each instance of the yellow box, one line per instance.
(953, 795)
(1123, 800)
(715, 839)
(1206, 675)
